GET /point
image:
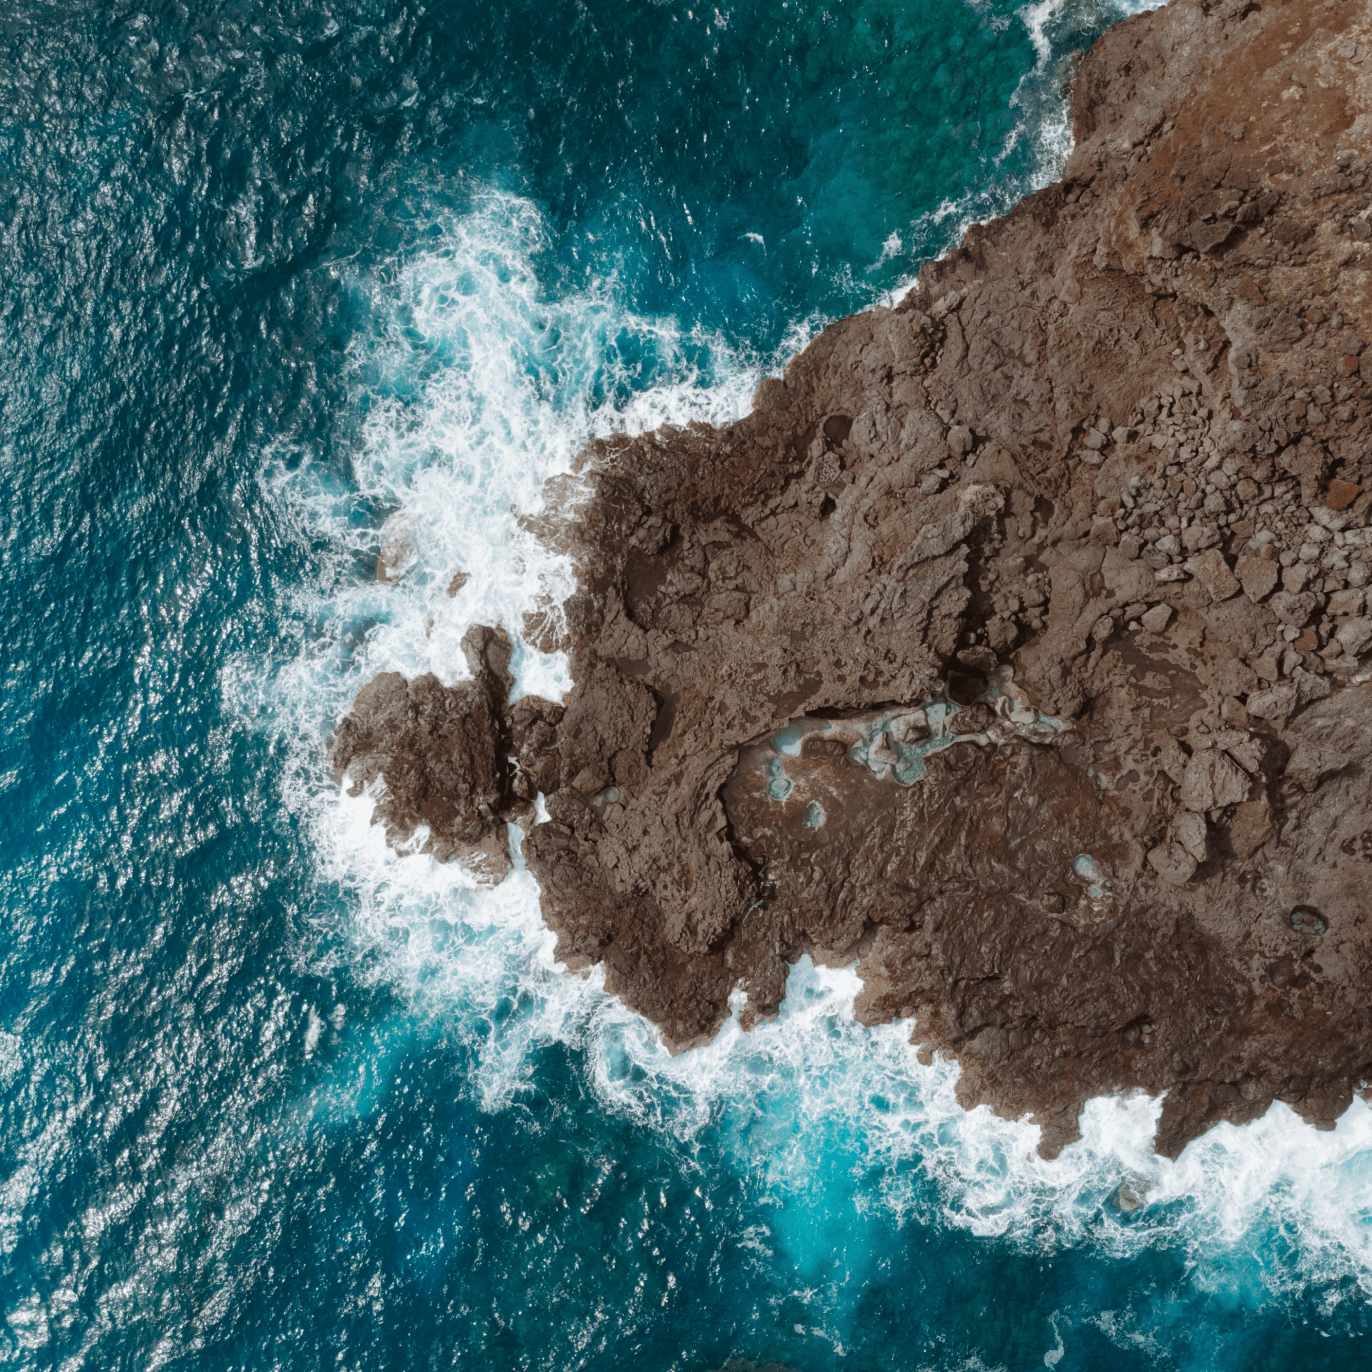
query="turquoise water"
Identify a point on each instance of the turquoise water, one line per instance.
(284, 282)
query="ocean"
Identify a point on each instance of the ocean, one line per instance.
(289, 282)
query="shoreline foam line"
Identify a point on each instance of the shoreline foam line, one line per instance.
(510, 386)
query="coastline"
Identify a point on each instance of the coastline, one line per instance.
(733, 581)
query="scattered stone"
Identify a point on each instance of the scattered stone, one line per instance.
(1257, 575)
(1355, 636)
(1296, 578)
(1340, 494)
(959, 441)
(1157, 619)
(1196, 537)
(1213, 780)
(1212, 571)
(1188, 829)
(1294, 608)
(1275, 704)
(1172, 863)
(1346, 604)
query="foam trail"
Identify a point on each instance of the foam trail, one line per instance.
(1044, 119)
(478, 387)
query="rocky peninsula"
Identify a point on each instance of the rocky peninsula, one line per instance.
(1017, 646)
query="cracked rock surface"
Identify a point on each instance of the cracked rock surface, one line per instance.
(1016, 645)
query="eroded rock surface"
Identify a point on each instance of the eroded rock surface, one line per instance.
(1099, 492)
(438, 756)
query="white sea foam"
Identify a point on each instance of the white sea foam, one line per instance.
(478, 387)
(1043, 121)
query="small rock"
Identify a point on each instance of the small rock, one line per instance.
(1172, 863)
(1355, 636)
(1157, 619)
(1212, 571)
(1189, 830)
(1257, 575)
(1196, 537)
(1340, 494)
(1294, 608)
(959, 440)
(1275, 704)
(1346, 604)
(459, 580)
(1310, 686)
(1297, 577)
(398, 554)
(982, 499)
(1213, 780)
(1250, 827)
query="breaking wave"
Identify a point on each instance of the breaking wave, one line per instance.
(475, 387)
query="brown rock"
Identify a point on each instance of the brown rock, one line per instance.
(1257, 575)
(1029, 893)
(1212, 571)
(436, 753)
(1274, 704)
(1212, 780)
(1294, 607)
(1340, 494)
(1157, 619)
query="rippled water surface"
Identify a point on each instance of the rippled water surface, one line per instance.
(282, 282)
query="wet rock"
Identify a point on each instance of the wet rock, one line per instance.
(434, 755)
(398, 553)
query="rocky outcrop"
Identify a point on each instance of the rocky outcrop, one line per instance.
(438, 756)
(1016, 644)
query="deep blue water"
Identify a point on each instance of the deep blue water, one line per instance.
(271, 273)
